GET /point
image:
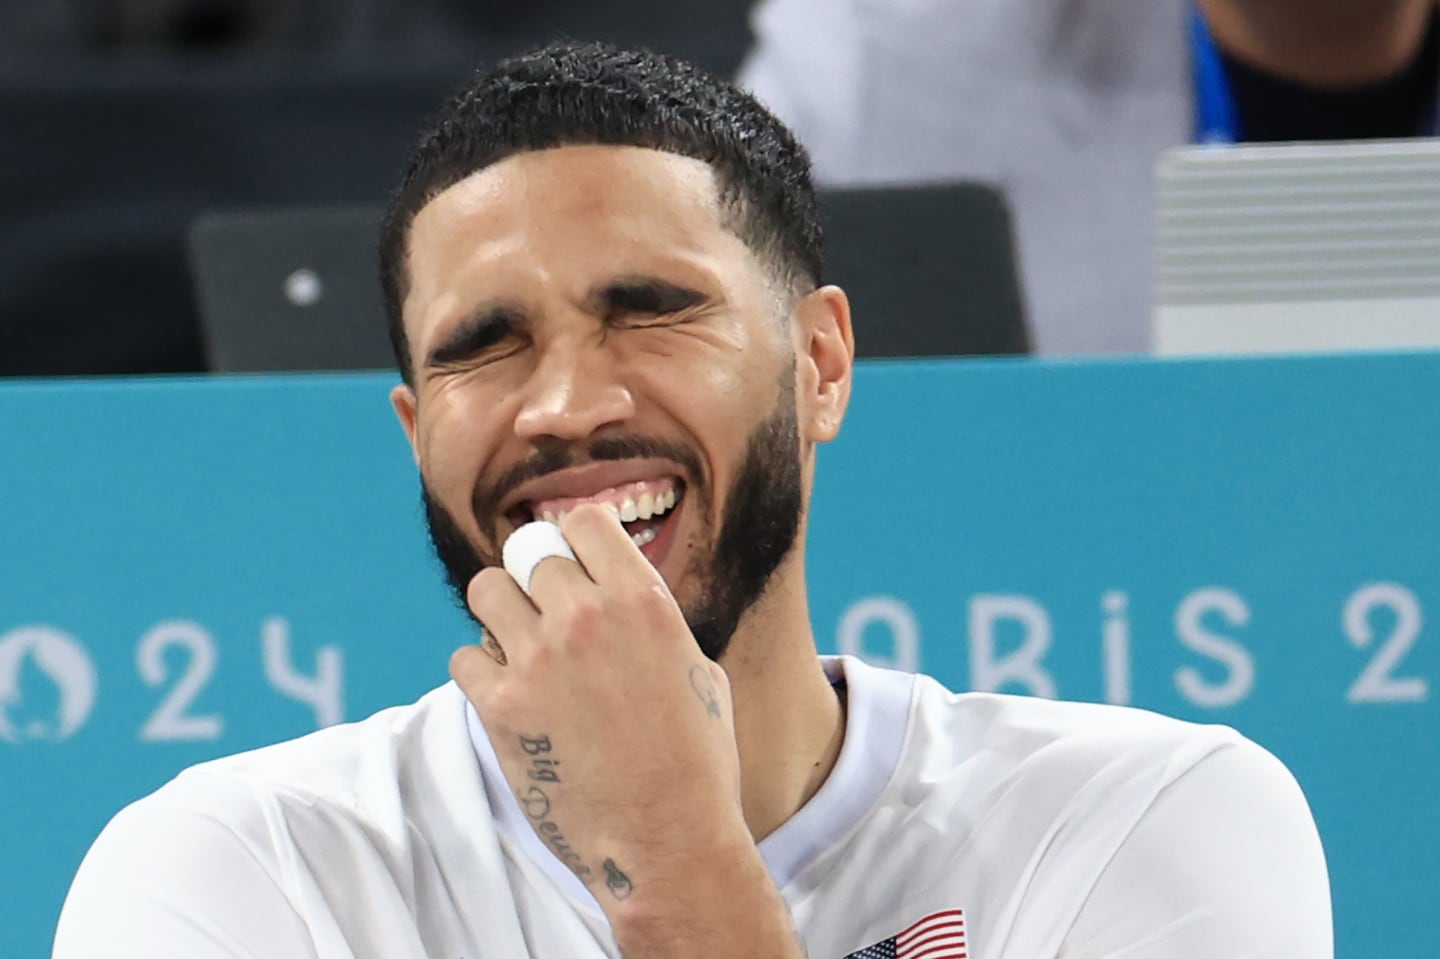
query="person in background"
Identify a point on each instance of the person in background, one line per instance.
(1067, 104)
(602, 271)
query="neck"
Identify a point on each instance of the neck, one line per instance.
(789, 723)
(1326, 44)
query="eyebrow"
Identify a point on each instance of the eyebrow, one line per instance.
(490, 323)
(485, 326)
(642, 294)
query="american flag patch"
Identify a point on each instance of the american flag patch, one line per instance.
(940, 935)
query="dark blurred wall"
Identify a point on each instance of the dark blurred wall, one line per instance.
(34, 33)
(124, 119)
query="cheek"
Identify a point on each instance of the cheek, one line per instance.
(455, 444)
(705, 381)
(708, 401)
(718, 411)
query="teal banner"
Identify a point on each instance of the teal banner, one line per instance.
(197, 567)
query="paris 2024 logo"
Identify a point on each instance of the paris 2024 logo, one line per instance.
(47, 685)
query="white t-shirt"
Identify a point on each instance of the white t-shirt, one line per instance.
(996, 827)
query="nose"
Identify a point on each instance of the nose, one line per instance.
(573, 391)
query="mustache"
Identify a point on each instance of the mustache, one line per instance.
(554, 457)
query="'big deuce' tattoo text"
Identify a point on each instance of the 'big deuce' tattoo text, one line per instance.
(544, 770)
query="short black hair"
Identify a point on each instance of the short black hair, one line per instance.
(593, 93)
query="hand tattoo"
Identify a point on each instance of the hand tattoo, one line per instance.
(544, 768)
(705, 689)
(616, 881)
(495, 650)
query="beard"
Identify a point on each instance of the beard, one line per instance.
(759, 520)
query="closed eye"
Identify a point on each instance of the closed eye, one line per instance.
(485, 335)
(644, 301)
(646, 321)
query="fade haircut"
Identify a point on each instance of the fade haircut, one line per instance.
(592, 93)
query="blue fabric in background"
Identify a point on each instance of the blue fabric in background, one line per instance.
(196, 567)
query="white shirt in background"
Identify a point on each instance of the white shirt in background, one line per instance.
(1065, 104)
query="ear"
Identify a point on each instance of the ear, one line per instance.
(825, 353)
(402, 397)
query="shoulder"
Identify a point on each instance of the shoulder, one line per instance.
(1226, 858)
(331, 762)
(352, 772)
(1055, 737)
(1134, 826)
(1118, 763)
(1033, 764)
(266, 848)
(225, 852)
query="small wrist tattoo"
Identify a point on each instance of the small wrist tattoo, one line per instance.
(705, 689)
(616, 881)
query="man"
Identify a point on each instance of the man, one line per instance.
(1068, 104)
(603, 274)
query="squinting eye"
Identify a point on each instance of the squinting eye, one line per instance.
(485, 357)
(497, 354)
(643, 320)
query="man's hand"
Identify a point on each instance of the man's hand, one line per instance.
(614, 731)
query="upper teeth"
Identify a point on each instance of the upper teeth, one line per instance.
(648, 506)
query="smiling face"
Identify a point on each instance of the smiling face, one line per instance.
(584, 326)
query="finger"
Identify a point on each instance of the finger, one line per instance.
(497, 601)
(532, 555)
(475, 671)
(499, 605)
(555, 579)
(603, 547)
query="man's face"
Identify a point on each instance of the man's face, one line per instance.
(583, 327)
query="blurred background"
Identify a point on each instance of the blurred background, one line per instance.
(125, 119)
(1038, 129)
